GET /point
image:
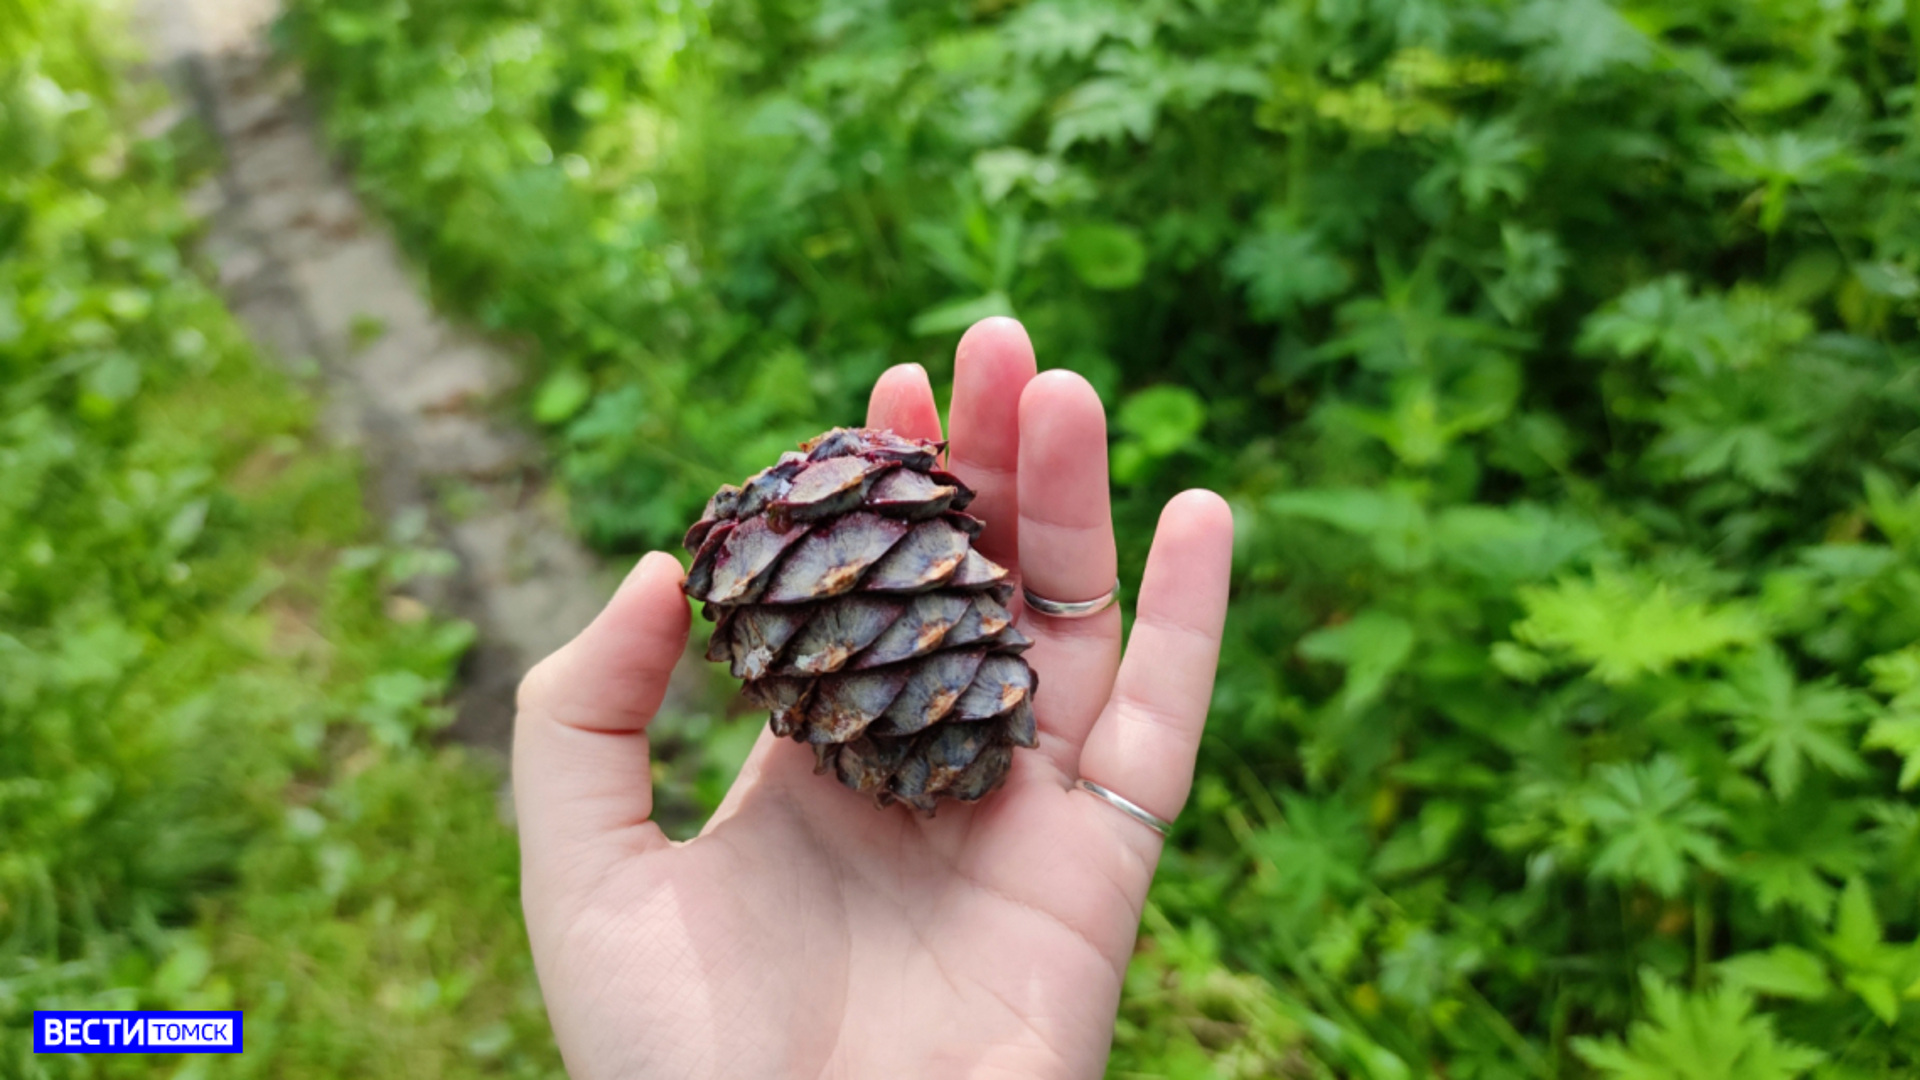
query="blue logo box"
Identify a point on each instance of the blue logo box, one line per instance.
(114, 1031)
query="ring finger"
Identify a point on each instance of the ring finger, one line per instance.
(1067, 554)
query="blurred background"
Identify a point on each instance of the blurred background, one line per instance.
(1558, 357)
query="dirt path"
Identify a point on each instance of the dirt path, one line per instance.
(325, 291)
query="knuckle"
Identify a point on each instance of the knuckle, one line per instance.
(1151, 715)
(536, 687)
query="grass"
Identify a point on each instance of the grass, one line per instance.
(220, 785)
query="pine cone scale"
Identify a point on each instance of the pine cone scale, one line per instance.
(933, 691)
(926, 557)
(834, 556)
(919, 629)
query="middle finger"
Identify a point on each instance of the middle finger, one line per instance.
(991, 368)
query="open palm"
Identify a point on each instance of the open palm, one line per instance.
(805, 934)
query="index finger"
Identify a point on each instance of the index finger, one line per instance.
(990, 369)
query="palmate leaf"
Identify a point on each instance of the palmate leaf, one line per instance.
(1481, 160)
(1576, 40)
(1791, 856)
(1898, 730)
(1897, 727)
(1425, 419)
(1778, 879)
(1785, 725)
(1284, 268)
(1530, 270)
(1780, 162)
(1723, 445)
(1857, 933)
(1319, 852)
(1875, 969)
(1894, 509)
(1782, 971)
(1664, 321)
(1652, 828)
(1411, 325)
(1711, 1036)
(1106, 109)
(1055, 30)
(1627, 627)
(1373, 646)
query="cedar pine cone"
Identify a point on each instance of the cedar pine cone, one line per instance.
(847, 594)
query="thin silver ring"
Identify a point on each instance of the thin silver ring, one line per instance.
(1128, 807)
(1071, 609)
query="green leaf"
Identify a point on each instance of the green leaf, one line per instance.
(1577, 40)
(1424, 421)
(1857, 935)
(1872, 964)
(1510, 544)
(1780, 162)
(956, 315)
(1105, 110)
(1392, 520)
(1893, 508)
(1164, 419)
(1423, 842)
(1517, 663)
(1159, 421)
(1878, 992)
(1317, 852)
(1106, 256)
(1053, 30)
(1898, 730)
(1048, 179)
(562, 395)
(111, 382)
(1782, 971)
(1372, 646)
(1283, 269)
(185, 526)
(1786, 724)
(1482, 160)
(1711, 1036)
(1627, 627)
(1664, 321)
(1651, 828)
(1782, 878)
(1531, 267)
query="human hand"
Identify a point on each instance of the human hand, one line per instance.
(804, 933)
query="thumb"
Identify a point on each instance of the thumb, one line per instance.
(580, 753)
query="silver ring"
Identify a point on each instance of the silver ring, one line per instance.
(1071, 609)
(1126, 806)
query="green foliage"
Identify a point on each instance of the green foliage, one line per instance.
(216, 786)
(1709, 1037)
(1625, 628)
(1655, 831)
(1785, 725)
(1559, 359)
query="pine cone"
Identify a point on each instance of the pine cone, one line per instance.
(847, 594)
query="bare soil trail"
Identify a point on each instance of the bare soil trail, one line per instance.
(324, 290)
